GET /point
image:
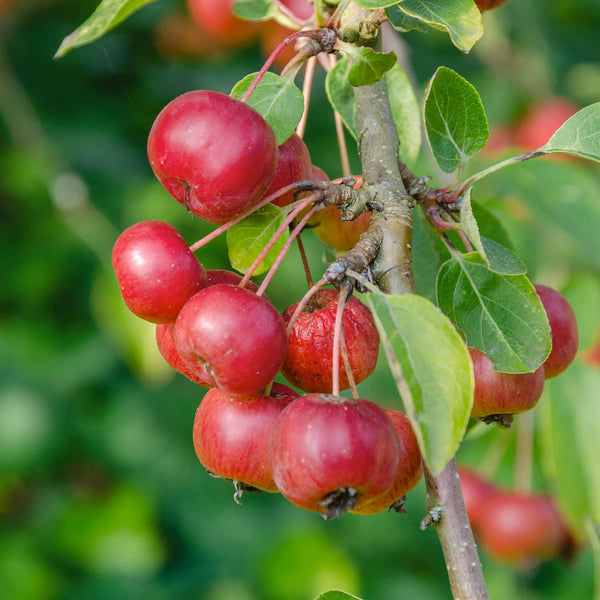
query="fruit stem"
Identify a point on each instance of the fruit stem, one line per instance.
(306, 90)
(283, 227)
(337, 328)
(465, 241)
(286, 247)
(303, 302)
(335, 18)
(339, 130)
(347, 365)
(524, 451)
(309, 279)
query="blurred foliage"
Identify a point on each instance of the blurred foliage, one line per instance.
(101, 495)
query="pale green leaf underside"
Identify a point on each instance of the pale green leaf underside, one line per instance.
(405, 108)
(108, 14)
(459, 18)
(501, 315)
(432, 369)
(374, 4)
(579, 135)
(336, 595)
(277, 99)
(246, 240)
(455, 120)
(366, 65)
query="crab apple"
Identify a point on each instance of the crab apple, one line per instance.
(476, 491)
(215, 276)
(409, 472)
(341, 235)
(522, 528)
(565, 336)
(215, 18)
(293, 164)
(309, 360)
(233, 335)
(232, 434)
(156, 270)
(499, 393)
(165, 340)
(331, 454)
(542, 120)
(484, 5)
(212, 153)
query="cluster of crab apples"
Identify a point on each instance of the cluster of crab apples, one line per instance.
(323, 452)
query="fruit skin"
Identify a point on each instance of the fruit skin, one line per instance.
(409, 472)
(232, 335)
(215, 276)
(476, 491)
(484, 5)
(156, 270)
(517, 527)
(215, 18)
(499, 393)
(322, 443)
(223, 149)
(293, 165)
(542, 120)
(308, 363)
(165, 340)
(232, 435)
(565, 336)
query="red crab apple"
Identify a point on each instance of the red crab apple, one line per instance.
(410, 469)
(499, 393)
(331, 454)
(565, 336)
(233, 336)
(212, 153)
(522, 528)
(484, 5)
(309, 360)
(476, 491)
(156, 270)
(232, 435)
(215, 276)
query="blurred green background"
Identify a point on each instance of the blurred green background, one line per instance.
(101, 495)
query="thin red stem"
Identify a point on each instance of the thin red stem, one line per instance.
(305, 264)
(303, 302)
(286, 247)
(306, 90)
(347, 365)
(465, 241)
(335, 362)
(339, 130)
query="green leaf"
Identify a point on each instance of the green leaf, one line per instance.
(405, 109)
(336, 595)
(432, 369)
(366, 65)
(400, 21)
(253, 10)
(570, 413)
(490, 226)
(107, 15)
(501, 315)
(455, 120)
(583, 293)
(246, 240)
(277, 99)
(579, 135)
(374, 4)
(461, 19)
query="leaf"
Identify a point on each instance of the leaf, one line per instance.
(107, 15)
(579, 135)
(278, 101)
(570, 413)
(366, 65)
(432, 369)
(336, 595)
(246, 240)
(501, 315)
(403, 102)
(400, 21)
(460, 18)
(455, 120)
(469, 226)
(490, 226)
(253, 10)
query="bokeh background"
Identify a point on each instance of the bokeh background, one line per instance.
(101, 495)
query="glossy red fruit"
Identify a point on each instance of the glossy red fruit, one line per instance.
(484, 5)
(165, 340)
(522, 528)
(499, 393)
(215, 18)
(232, 336)
(293, 165)
(476, 491)
(215, 276)
(542, 120)
(156, 270)
(232, 435)
(309, 359)
(331, 454)
(218, 149)
(409, 472)
(565, 336)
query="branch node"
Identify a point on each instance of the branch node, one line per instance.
(433, 516)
